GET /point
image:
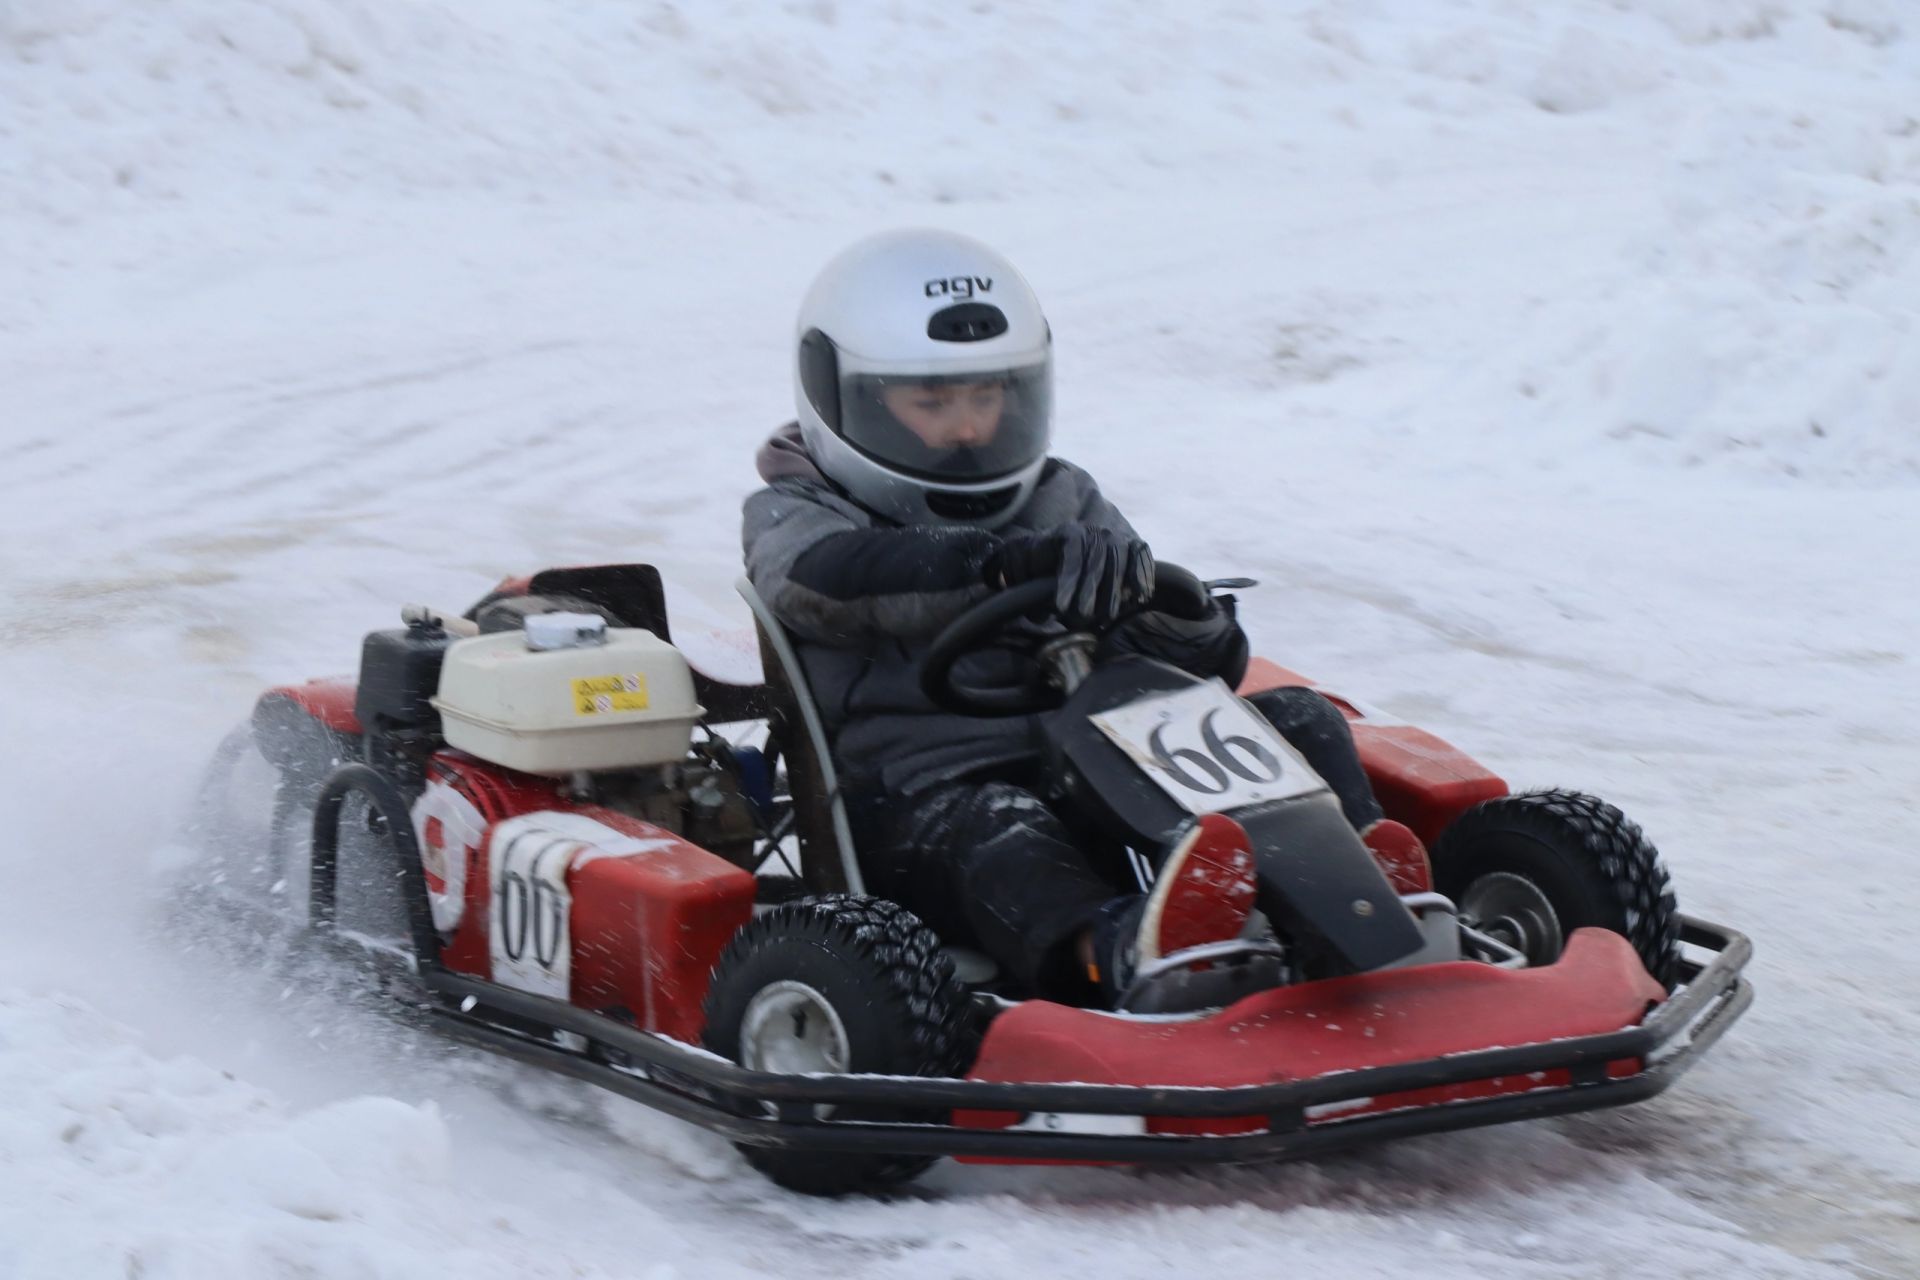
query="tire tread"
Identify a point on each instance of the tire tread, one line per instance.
(1627, 867)
(903, 962)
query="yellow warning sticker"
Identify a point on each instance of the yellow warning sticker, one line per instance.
(601, 695)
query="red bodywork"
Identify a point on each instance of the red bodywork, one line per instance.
(1419, 779)
(647, 928)
(1321, 1028)
(330, 701)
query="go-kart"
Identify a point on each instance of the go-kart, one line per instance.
(577, 849)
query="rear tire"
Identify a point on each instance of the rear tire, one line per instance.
(1545, 863)
(839, 983)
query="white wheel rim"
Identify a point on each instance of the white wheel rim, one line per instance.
(791, 1029)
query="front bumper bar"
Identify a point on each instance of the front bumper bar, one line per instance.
(1301, 1117)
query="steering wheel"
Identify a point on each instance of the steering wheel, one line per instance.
(1175, 590)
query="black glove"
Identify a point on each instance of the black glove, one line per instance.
(1210, 646)
(1100, 571)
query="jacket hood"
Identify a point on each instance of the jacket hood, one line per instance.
(785, 455)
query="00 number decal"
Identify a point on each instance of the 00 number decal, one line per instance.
(530, 913)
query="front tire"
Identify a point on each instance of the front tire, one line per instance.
(1530, 869)
(839, 983)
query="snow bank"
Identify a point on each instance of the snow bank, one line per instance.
(1757, 315)
(115, 1163)
(804, 104)
(1769, 320)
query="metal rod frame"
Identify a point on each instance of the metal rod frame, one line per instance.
(768, 1109)
(765, 1109)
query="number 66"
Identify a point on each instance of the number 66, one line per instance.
(1223, 756)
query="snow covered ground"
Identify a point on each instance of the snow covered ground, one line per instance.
(1554, 366)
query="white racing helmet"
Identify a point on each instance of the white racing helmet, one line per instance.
(923, 309)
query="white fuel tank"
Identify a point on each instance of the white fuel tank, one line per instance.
(568, 696)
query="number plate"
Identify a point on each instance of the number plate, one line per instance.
(1208, 750)
(529, 930)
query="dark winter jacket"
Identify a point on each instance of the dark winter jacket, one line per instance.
(864, 597)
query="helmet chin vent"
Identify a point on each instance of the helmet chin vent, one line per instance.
(967, 322)
(971, 506)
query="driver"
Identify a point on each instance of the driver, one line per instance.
(914, 484)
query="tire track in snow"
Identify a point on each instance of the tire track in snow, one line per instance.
(1482, 637)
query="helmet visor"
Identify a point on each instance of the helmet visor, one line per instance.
(960, 428)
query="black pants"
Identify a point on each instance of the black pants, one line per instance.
(987, 864)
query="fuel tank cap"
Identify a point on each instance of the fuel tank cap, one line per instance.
(547, 631)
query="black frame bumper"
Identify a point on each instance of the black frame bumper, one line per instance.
(764, 1109)
(772, 1110)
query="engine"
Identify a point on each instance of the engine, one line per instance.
(564, 695)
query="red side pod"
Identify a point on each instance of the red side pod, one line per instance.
(647, 928)
(1420, 780)
(498, 794)
(329, 701)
